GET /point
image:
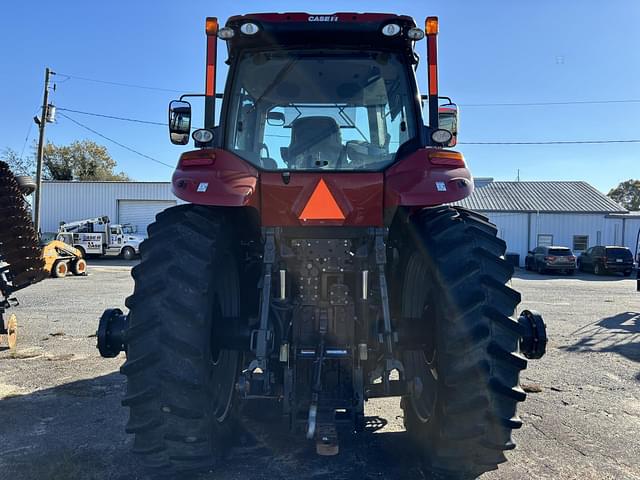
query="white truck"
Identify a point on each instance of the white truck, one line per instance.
(97, 236)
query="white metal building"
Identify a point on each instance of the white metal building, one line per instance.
(136, 203)
(528, 214)
(572, 214)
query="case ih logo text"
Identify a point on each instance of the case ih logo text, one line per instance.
(323, 18)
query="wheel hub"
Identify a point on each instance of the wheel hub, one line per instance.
(112, 333)
(422, 383)
(533, 342)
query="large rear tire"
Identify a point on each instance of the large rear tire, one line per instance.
(463, 410)
(180, 384)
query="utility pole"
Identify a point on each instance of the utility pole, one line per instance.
(42, 122)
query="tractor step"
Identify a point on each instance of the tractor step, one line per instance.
(327, 440)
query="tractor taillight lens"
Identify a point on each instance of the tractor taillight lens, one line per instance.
(447, 157)
(198, 158)
(196, 162)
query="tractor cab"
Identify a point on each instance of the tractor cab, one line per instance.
(320, 94)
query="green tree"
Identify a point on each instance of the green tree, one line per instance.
(18, 165)
(627, 194)
(81, 160)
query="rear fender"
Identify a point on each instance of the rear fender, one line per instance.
(215, 177)
(419, 180)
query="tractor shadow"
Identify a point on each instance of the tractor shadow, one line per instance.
(76, 431)
(619, 333)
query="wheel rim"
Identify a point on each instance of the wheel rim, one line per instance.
(424, 386)
(223, 376)
(421, 365)
(224, 362)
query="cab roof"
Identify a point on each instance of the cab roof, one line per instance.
(303, 17)
(309, 30)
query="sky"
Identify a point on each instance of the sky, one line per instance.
(490, 52)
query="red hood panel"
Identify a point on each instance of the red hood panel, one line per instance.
(359, 197)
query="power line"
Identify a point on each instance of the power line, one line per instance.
(487, 104)
(124, 119)
(553, 142)
(116, 142)
(118, 84)
(533, 142)
(540, 104)
(26, 139)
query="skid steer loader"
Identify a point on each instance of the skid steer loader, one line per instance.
(61, 259)
(319, 263)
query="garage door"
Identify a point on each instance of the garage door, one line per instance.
(141, 212)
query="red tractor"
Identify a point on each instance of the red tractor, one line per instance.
(319, 264)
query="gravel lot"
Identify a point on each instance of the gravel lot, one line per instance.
(60, 414)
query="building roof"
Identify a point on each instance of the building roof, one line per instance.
(559, 197)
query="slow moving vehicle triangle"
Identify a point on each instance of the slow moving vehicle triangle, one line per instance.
(322, 205)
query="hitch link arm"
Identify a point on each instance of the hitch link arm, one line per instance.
(389, 337)
(261, 337)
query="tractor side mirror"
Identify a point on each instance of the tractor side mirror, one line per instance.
(179, 122)
(448, 120)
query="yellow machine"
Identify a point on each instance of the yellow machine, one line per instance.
(60, 258)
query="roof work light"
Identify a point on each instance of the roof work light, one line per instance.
(391, 30)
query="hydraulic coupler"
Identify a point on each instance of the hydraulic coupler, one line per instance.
(112, 333)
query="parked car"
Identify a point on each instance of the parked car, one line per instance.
(601, 260)
(551, 258)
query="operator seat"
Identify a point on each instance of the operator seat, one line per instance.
(316, 142)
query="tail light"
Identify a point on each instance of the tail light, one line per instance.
(549, 258)
(571, 257)
(446, 157)
(197, 158)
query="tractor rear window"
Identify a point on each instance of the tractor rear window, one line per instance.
(329, 111)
